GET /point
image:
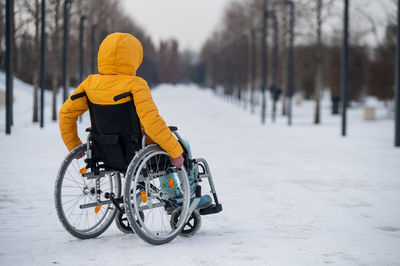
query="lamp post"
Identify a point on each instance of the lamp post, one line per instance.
(264, 66)
(42, 62)
(290, 71)
(8, 65)
(397, 74)
(65, 46)
(345, 65)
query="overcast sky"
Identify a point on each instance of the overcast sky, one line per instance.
(190, 21)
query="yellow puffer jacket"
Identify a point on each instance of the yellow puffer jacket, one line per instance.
(120, 55)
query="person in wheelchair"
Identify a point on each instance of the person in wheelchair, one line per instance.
(119, 57)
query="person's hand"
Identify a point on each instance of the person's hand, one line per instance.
(178, 162)
(80, 155)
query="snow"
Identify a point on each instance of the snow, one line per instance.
(291, 195)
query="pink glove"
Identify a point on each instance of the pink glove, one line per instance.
(178, 162)
(80, 155)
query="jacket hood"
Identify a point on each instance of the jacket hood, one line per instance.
(119, 54)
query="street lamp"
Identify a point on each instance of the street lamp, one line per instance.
(345, 49)
(8, 65)
(67, 3)
(42, 62)
(397, 119)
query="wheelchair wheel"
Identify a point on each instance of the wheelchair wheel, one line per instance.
(192, 225)
(76, 198)
(149, 214)
(122, 223)
(121, 220)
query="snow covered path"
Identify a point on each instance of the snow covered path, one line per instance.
(300, 195)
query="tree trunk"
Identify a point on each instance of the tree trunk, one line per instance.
(284, 43)
(54, 98)
(36, 64)
(317, 96)
(318, 64)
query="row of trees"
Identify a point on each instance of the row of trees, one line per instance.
(227, 54)
(230, 56)
(164, 63)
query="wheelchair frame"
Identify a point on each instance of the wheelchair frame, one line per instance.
(199, 165)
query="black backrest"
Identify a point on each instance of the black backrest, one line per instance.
(118, 119)
(116, 133)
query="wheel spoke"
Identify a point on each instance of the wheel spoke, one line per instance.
(77, 171)
(73, 179)
(70, 194)
(80, 196)
(156, 224)
(76, 202)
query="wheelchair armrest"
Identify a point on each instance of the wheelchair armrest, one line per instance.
(173, 128)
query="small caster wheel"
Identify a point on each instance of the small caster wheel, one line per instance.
(123, 224)
(192, 225)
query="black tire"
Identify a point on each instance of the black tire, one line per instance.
(122, 223)
(110, 212)
(192, 225)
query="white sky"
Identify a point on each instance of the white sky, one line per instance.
(189, 21)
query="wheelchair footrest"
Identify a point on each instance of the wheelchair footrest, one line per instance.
(212, 209)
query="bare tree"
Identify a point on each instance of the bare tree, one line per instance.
(55, 50)
(283, 40)
(315, 14)
(32, 8)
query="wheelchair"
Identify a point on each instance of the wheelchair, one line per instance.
(115, 176)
